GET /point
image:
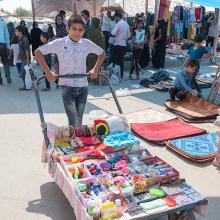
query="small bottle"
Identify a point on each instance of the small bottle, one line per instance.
(104, 211)
(91, 207)
(119, 210)
(112, 210)
(97, 211)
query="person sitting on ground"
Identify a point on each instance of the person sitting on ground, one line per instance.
(184, 82)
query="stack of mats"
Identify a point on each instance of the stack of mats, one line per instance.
(193, 109)
(197, 149)
(160, 132)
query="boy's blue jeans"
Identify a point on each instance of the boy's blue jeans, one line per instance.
(74, 100)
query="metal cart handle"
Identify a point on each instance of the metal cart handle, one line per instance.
(39, 106)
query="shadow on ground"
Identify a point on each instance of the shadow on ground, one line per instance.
(52, 203)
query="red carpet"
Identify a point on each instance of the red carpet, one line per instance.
(166, 130)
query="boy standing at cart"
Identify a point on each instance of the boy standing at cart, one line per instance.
(72, 52)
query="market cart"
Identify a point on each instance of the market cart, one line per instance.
(59, 169)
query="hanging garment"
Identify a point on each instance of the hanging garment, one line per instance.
(180, 27)
(164, 9)
(198, 14)
(169, 25)
(192, 15)
(181, 13)
(176, 15)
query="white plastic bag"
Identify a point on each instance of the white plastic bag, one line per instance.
(123, 92)
(28, 80)
(114, 80)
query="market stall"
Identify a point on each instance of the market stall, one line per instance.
(105, 174)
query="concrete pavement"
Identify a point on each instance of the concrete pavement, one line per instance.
(27, 191)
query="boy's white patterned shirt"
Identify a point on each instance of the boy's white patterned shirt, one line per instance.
(72, 58)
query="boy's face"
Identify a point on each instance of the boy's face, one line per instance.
(17, 33)
(76, 31)
(140, 25)
(43, 39)
(197, 44)
(191, 69)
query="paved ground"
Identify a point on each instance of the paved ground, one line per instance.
(27, 192)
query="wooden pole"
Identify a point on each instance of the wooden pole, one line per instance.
(74, 7)
(217, 17)
(33, 10)
(146, 6)
(157, 5)
(94, 7)
(123, 5)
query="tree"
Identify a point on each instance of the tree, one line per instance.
(22, 12)
(3, 10)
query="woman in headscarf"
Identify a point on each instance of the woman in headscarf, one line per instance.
(159, 45)
(35, 37)
(26, 32)
(95, 35)
(60, 27)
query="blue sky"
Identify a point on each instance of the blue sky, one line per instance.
(10, 5)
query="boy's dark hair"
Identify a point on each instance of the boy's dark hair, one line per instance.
(85, 12)
(45, 35)
(192, 63)
(62, 13)
(76, 19)
(118, 14)
(198, 39)
(14, 40)
(20, 28)
(139, 20)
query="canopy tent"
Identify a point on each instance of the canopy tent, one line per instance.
(209, 3)
(45, 7)
(111, 5)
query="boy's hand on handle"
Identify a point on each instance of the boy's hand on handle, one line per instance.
(194, 93)
(50, 76)
(93, 74)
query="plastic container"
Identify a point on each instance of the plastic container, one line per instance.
(76, 169)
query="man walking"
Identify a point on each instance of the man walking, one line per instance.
(4, 46)
(106, 27)
(121, 33)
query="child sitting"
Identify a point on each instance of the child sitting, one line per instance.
(184, 82)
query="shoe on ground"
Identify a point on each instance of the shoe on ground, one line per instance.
(9, 80)
(137, 78)
(45, 90)
(24, 89)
